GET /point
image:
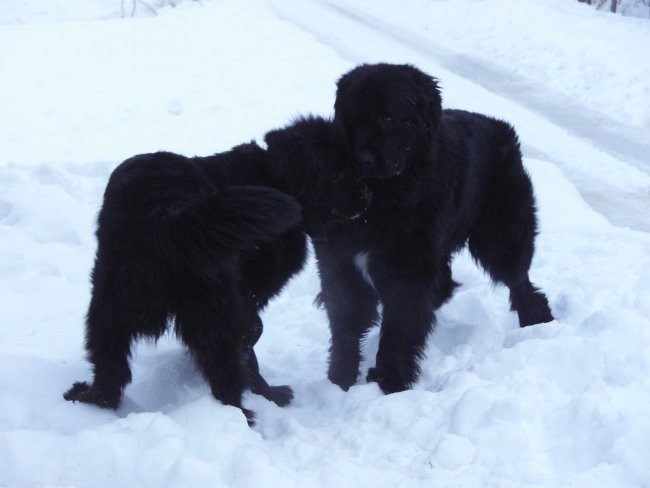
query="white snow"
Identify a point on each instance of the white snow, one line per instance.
(562, 404)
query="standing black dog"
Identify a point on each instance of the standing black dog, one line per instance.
(204, 243)
(440, 180)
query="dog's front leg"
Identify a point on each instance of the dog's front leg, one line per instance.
(351, 306)
(408, 317)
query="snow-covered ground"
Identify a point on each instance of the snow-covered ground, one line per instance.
(558, 405)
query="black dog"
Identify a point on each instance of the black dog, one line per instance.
(204, 243)
(440, 180)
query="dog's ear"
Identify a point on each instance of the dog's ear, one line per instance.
(339, 105)
(429, 100)
(275, 137)
(343, 84)
(343, 92)
(288, 139)
(287, 149)
(278, 144)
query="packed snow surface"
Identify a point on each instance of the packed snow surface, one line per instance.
(563, 404)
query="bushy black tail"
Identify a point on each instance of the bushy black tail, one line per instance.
(211, 233)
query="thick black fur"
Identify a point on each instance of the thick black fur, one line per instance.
(441, 179)
(204, 243)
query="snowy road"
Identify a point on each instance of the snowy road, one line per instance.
(359, 36)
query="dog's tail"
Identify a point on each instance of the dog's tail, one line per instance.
(208, 234)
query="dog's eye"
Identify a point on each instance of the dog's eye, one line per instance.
(387, 119)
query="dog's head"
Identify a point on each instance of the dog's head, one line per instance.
(312, 161)
(389, 114)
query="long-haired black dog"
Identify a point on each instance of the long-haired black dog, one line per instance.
(440, 179)
(204, 243)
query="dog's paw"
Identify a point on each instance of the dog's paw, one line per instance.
(388, 383)
(85, 393)
(342, 373)
(343, 382)
(77, 391)
(373, 376)
(281, 395)
(536, 311)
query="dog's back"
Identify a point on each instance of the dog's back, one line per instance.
(170, 241)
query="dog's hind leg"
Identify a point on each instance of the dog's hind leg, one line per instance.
(280, 395)
(118, 313)
(108, 343)
(506, 254)
(503, 239)
(207, 321)
(530, 304)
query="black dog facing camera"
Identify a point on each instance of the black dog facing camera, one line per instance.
(441, 180)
